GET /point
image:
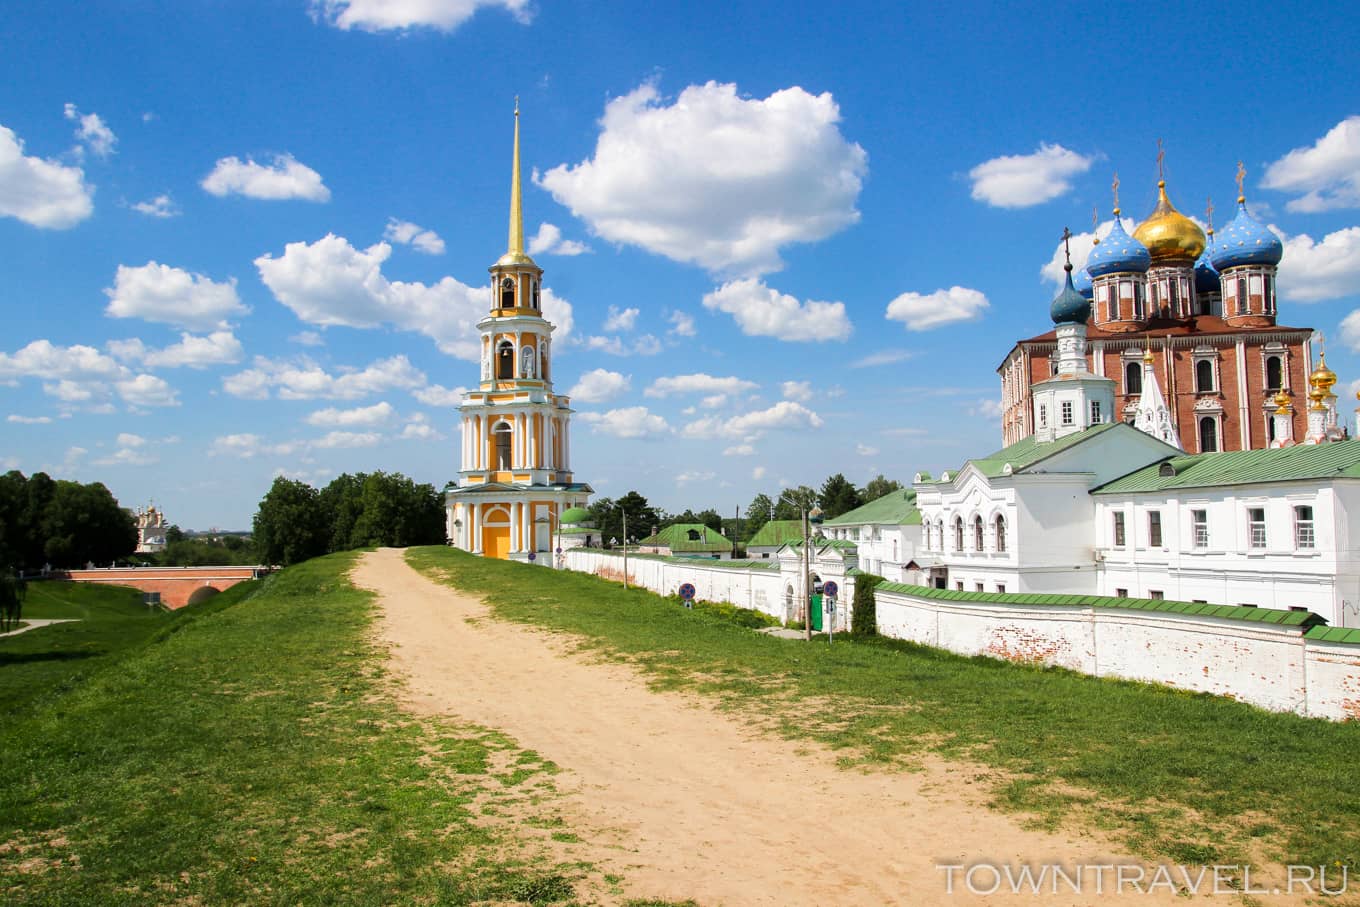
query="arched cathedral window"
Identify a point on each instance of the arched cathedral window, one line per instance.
(507, 293)
(1133, 378)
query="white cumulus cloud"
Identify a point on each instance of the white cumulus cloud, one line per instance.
(377, 414)
(91, 132)
(399, 15)
(330, 282)
(407, 233)
(699, 383)
(1024, 180)
(621, 319)
(1328, 172)
(284, 178)
(714, 178)
(599, 386)
(926, 311)
(160, 293)
(161, 206)
(147, 390)
(1315, 271)
(438, 395)
(682, 324)
(39, 192)
(303, 379)
(217, 348)
(762, 311)
(548, 241)
(28, 420)
(632, 423)
(336, 439)
(786, 415)
(1350, 333)
(797, 390)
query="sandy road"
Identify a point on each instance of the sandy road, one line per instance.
(687, 802)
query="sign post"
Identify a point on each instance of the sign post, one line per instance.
(829, 590)
(687, 594)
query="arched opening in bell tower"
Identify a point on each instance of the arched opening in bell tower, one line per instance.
(505, 360)
(507, 292)
(502, 437)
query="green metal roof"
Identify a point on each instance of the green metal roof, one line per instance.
(575, 515)
(776, 533)
(897, 508)
(761, 564)
(1028, 451)
(1337, 459)
(1304, 620)
(676, 537)
(1334, 634)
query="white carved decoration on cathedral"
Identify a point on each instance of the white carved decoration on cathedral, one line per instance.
(526, 367)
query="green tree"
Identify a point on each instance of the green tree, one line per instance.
(342, 500)
(291, 524)
(864, 620)
(174, 534)
(608, 517)
(878, 487)
(759, 512)
(83, 523)
(838, 496)
(794, 501)
(394, 511)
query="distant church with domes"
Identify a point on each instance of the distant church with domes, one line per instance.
(1184, 325)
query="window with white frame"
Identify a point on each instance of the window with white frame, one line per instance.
(1256, 527)
(1043, 415)
(1154, 529)
(1067, 412)
(1000, 532)
(1204, 376)
(1118, 529)
(977, 535)
(1133, 378)
(1303, 527)
(958, 533)
(1199, 528)
(1095, 412)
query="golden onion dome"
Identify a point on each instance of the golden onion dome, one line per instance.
(1323, 378)
(1169, 234)
(1282, 403)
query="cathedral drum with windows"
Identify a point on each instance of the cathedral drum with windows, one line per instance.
(1194, 312)
(516, 478)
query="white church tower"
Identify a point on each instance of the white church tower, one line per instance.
(1153, 415)
(516, 479)
(1074, 399)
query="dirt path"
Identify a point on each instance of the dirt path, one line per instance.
(686, 802)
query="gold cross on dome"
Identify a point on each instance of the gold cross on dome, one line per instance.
(1161, 161)
(1095, 218)
(1241, 178)
(1067, 247)
(1115, 187)
(1209, 211)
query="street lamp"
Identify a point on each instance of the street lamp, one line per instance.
(810, 517)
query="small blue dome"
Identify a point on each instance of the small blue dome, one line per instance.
(1246, 241)
(1069, 306)
(1206, 278)
(1082, 282)
(1118, 252)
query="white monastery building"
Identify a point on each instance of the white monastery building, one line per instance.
(1091, 505)
(516, 482)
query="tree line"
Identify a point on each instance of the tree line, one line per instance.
(296, 521)
(836, 496)
(56, 522)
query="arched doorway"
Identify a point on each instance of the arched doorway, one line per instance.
(496, 532)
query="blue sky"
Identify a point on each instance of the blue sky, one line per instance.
(244, 239)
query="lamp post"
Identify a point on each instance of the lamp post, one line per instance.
(813, 516)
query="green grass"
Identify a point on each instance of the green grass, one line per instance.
(43, 662)
(249, 751)
(1174, 775)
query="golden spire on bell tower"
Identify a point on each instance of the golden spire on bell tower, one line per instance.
(516, 208)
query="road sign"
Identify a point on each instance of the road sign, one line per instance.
(559, 550)
(532, 557)
(687, 591)
(830, 589)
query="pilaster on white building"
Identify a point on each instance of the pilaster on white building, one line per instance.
(516, 481)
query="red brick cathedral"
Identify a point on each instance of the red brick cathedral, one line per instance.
(1204, 308)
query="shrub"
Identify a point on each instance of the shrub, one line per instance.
(864, 621)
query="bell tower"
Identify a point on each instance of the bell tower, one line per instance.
(515, 476)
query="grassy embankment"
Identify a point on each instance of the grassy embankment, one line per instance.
(248, 751)
(1186, 777)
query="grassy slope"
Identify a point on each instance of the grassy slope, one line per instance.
(41, 663)
(251, 754)
(1193, 778)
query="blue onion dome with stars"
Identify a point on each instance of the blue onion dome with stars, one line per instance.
(1206, 278)
(1082, 282)
(1118, 252)
(1069, 306)
(1246, 241)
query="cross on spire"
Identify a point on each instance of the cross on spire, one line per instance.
(1209, 212)
(1067, 249)
(1241, 178)
(1115, 187)
(1161, 161)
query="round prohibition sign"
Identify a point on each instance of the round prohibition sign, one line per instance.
(830, 589)
(687, 591)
